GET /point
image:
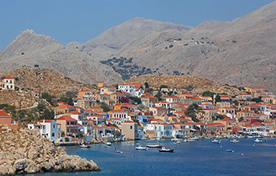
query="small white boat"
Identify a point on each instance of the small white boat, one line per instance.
(141, 148)
(175, 140)
(84, 146)
(216, 141)
(258, 141)
(119, 151)
(154, 146)
(163, 149)
(108, 144)
(178, 142)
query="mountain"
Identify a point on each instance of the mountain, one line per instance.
(135, 30)
(240, 52)
(32, 49)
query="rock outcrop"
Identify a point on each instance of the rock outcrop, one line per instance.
(25, 151)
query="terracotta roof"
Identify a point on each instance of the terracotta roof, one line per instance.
(46, 121)
(9, 77)
(4, 114)
(129, 122)
(74, 112)
(67, 118)
(64, 106)
(117, 111)
(172, 96)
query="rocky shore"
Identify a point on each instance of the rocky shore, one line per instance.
(25, 151)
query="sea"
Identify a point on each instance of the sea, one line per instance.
(199, 158)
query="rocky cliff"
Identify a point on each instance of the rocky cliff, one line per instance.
(25, 151)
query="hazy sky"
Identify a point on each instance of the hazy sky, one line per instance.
(82, 20)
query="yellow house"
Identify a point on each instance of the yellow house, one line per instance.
(117, 106)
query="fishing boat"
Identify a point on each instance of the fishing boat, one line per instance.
(84, 146)
(154, 146)
(141, 148)
(163, 149)
(235, 141)
(108, 144)
(258, 140)
(216, 141)
(229, 150)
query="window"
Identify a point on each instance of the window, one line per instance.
(53, 134)
(131, 127)
(54, 126)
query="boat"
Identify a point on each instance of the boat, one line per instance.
(119, 151)
(163, 149)
(108, 143)
(178, 142)
(84, 146)
(141, 148)
(175, 140)
(258, 141)
(216, 141)
(235, 141)
(154, 146)
(229, 150)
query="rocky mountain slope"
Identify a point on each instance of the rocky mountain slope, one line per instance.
(44, 80)
(34, 49)
(26, 152)
(240, 52)
(186, 83)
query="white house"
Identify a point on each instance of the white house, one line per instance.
(132, 89)
(50, 129)
(8, 83)
(98, 119)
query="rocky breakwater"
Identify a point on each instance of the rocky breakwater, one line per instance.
(25, 151)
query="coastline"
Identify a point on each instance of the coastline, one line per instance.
(26, 152)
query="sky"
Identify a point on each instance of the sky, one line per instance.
(82, 20)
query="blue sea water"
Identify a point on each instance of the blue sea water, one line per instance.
(200, 158)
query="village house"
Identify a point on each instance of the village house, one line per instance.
(97, 119)
(69, 125)
(132, 89)
(108, 90)
(149, 100)
(50, 129)
(123, 115)
(6, 119)
(130, 130)
(7, 84)
(158, 110)
(64, 108)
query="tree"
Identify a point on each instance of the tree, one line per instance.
(105, 107)
(146, 85)
(208, 94)
(158, 95)
(124, 99)
(218, 98)
(257, 100)
(67, 100)
(191, 111)
(48, 97)
(163, 86)
(135, 100)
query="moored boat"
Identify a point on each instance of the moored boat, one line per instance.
(108, 144)
(141, 148)
(235, 141)
(258, 140)
(216, 141)
(163, 149)
(154, 146)
(84, 146)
